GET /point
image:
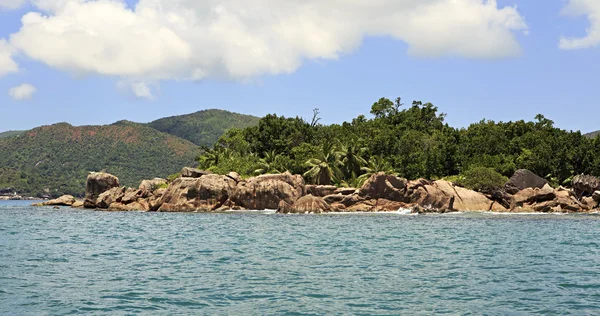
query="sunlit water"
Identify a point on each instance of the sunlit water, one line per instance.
(60, 262)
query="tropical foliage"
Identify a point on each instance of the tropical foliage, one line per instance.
(410, 141)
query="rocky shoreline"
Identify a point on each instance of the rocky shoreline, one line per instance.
(201, 191)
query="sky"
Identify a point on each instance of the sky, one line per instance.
(96, 62)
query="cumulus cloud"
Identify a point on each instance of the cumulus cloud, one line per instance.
(7, 63)
(11, 4)
(590, 8)
(138, 89)
(22, 92)
(240, 39)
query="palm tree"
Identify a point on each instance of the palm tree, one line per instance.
(212, 156)
(376, 164)
(269, 164)
(325, 168)
(352, 160)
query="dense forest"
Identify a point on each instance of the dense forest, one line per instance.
(410, 141)
(203, 128)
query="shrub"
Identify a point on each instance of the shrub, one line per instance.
(482, 179)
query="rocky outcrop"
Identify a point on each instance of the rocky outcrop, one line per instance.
(96, 184)
(267, 191)
(147, 187)
(381, 185)
(204, 194)
(321, 190)
(111, 196)
(307, 204)
(193, 173)
(523, 179)
(585, 185)
(288, 193)
(65, 200)
(445, 196)
(531, 195)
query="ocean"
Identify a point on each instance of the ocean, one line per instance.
(72, 262)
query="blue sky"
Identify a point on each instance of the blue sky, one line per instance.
(506, 65)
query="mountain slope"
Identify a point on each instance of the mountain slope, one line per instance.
(203, 128)
(592, 134)
(55, 159)
(11, 134)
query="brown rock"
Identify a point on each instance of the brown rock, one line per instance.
(120, 207)
(235, 176)
(384, 186)
(131, 195)
(596, 196)
(523, 179)
(266, 191)
(531, 195)
(383, 205)
(65, 200)
(334, 198)
(77, 204)
(305, 205)
(585, 185)
(204, 194)
(320, 190)
(147, 187)
(193, 173)
(346, 191)
(444, 196)
(98, 183)
(111, 196)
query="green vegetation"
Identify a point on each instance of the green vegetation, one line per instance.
(55, 160)
(482, 179)
(203, 128)
(413, 142)
(11, 134)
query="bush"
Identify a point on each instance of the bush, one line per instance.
(482, 179)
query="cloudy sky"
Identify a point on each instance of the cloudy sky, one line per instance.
(96, 62)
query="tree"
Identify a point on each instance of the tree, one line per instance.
(271, 163)
(325, 168)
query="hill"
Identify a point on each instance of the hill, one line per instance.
(55, 159)
(11, 134)
(592, 134)
(203, 128)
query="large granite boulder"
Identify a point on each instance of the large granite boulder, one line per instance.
(320, 190)
(98, 183)
(305, 205)
(65, 200)
(585, 185)
(531, 195)
(443, 196)
(523, 179)
(147, 187)
(111, 196)
(384, 186)
(193, 173)
(267, 191)
(204, 194)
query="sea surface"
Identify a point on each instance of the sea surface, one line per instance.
(66, 262)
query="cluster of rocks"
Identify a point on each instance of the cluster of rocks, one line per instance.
(201, 191)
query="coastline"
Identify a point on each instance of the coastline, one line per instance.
(198, 191)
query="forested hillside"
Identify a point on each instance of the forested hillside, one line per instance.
(56, 159)
(203, 128)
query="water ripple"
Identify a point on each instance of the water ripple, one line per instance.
(61, 262)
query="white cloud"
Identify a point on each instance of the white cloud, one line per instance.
(590, 8)
(11, 4)
(22, 92)
(193, 40)
(7, 64)
(138, 89)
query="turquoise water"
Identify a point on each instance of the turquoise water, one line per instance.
(63, 262)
